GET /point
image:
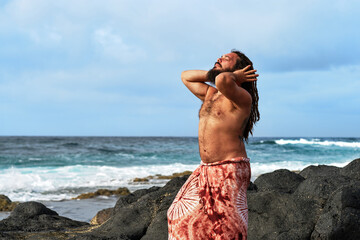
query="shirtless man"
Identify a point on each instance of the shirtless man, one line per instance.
(212, 203)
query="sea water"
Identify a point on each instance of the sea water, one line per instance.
(61, 168)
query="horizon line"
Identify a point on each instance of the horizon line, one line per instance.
(169, 136)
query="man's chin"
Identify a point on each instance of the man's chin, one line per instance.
(217, 67)
(212, 73)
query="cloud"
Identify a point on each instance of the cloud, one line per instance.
(306, 35)
(292, 36)
(308, 103)
(112, 45)
(128, 55)
(83, 86)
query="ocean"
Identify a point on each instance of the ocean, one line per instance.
(53, 170)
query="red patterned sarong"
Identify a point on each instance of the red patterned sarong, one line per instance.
(212, 203)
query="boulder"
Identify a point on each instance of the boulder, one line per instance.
(140, 215)
(31, 209)
(140, 180)
(281, 180)
(159, 176)
(352, 170)
(320, 171)
(104, 192)
(33, 217)
(132, 197)
(6, 204)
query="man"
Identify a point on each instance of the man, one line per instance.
(212, 203)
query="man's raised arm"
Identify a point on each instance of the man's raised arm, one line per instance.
(229, 84)
(195, 80)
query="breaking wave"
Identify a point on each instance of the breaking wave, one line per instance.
(319, 142)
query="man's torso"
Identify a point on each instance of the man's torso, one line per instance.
(221, 127)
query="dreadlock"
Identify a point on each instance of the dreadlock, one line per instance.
(252, 89)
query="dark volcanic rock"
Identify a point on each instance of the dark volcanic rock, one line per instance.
(104, 192)
(140, 215)
(323, 206)
(252, 187)
(6, 204)
(6, 236)
(320, 171)
(102, 216)
(281, 180)
(277, 215)
(132, 197)
(159, 176)
(341, 215)
(319, 188)
(321, 202)
(352, 170)
(30, 210)
(33, 217)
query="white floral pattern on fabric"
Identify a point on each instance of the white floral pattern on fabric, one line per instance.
(184, 204)
(241, 205)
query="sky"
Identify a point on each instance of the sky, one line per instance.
(112, 67)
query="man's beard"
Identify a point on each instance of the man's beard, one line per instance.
(212, 73)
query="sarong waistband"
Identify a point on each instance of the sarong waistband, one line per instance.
(231, 160)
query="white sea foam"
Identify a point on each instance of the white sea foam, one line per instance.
(44, 184)
(319, 142)
(27, 184)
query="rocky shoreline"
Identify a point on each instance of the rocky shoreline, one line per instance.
(319, 202)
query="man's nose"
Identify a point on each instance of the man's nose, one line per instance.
(219, 60)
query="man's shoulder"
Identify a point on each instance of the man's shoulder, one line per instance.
(244, 101)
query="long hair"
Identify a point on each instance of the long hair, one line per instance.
(252, 89)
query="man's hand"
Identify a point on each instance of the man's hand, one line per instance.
(229, 84)
(243, 75)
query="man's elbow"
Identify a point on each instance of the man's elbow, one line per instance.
(184, 76)
(222, 80)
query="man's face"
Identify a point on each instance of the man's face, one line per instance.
(226, 63)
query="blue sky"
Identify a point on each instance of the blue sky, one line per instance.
(112, 68)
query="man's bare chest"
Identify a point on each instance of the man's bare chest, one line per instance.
(212, 106)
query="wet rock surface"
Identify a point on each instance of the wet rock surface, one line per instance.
(104, 192)
(159, 176)
(321, 202)
(6, 204)
(35, 217)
